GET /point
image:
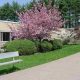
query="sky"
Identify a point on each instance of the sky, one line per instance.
(21, 2)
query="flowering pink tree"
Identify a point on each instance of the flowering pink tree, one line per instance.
(37, 22)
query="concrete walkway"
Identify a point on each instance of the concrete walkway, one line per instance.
(63, 69)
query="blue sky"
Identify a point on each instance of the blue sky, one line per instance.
(10, 1)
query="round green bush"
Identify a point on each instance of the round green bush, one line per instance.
(57, 44)
(37, 43)
(46, 46)
(25, 47)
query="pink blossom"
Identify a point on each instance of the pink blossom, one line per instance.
(37, 22)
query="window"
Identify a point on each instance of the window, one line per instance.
(5, 36)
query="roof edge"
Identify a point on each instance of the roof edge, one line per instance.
(8, 21)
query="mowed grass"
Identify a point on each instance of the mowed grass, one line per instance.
(40, 58)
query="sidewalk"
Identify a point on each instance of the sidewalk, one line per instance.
(63, 69)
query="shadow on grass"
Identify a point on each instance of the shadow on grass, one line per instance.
(9, 70)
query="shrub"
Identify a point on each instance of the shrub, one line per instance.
(45, 40)
(66, 41)
(37, 43)
(46, 46)
(25, 47)
(57, 44)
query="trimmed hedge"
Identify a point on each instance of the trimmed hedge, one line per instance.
(25, 47)
(37, 43)
(46, 46)
(57, 44)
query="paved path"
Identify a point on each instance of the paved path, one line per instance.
(63, 69)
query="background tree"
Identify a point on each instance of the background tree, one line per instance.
(48, 1)
(29, 5)
(6, 12)
(70, 10)
(15, 7)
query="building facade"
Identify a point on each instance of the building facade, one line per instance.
(5, 31)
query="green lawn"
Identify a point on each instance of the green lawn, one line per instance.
(37, 59)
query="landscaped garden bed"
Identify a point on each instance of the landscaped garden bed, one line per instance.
(40, 58)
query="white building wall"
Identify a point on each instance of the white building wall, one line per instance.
(0, 36)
